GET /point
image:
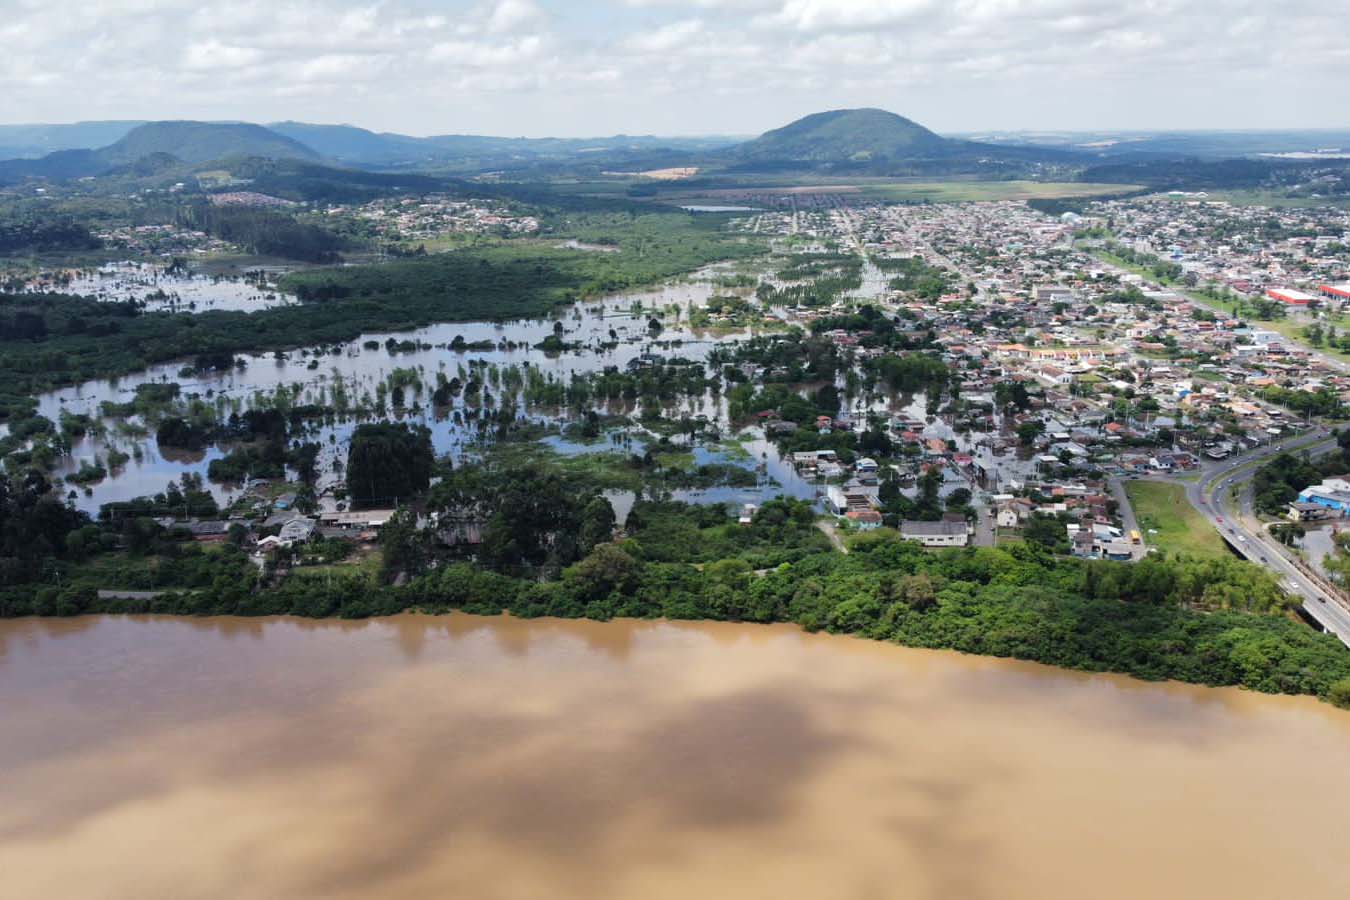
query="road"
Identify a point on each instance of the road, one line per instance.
(1128, 522)
(985, 527)
(828, 527)
(1211, 496)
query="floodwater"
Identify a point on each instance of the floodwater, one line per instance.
(491, 758)
(360, 369)
(162, 290)
(607, 332)
(610, 331)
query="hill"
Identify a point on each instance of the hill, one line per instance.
(467, 152)
(198, 142)
(1204, 145)
(847, 135)
(107, 146)
(157, 147)
(347, 143)
(58, 166)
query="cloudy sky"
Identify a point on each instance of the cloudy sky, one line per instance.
(573, 68)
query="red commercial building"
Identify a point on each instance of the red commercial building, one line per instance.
(1336, 291)
(1290, 296)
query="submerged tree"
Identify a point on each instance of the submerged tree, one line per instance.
(387, 462)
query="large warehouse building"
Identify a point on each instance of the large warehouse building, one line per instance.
(1290, 296)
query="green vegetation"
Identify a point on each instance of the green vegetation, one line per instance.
(915, 276)
(44, 234)
(1179, 528)
(387, 463)
(1339, 693)
(1278, 483)
(263, 231)
(517, 280)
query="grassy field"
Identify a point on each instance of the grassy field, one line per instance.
(729, 189)
(1294, 331)
(1180, 529)
(365, 563)
(961, 191)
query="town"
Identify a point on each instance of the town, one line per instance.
(1093, 365)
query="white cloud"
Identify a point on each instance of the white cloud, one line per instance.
(213, 55)
(591, 66)
(814, 15)
(511, 15)
(486, 55)
(666, 38)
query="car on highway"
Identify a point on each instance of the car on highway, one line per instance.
(1219, 519)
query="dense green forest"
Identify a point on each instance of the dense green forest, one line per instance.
(528, 276)
(263, 231)
(387, 461)
(32, 233)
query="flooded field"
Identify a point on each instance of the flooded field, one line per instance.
(161, 289)
(612, 332)
(494, 758)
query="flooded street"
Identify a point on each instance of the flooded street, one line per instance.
(493, 758)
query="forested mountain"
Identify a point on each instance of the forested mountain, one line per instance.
(60, 165)
(198, 142)
(194, 143)
(877, 142)
(358, 146)
(347, 143)
(847, 134)
(156, 146)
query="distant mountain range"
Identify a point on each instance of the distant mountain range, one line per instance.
(158, 146)
(860, 141)
(33, 141)
(1178, 144)
(357, 146)
(100, 147)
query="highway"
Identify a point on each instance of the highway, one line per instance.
(1211, 496)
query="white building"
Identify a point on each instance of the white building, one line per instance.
(936, 534)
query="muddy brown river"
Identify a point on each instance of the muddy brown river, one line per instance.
(485, 758)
